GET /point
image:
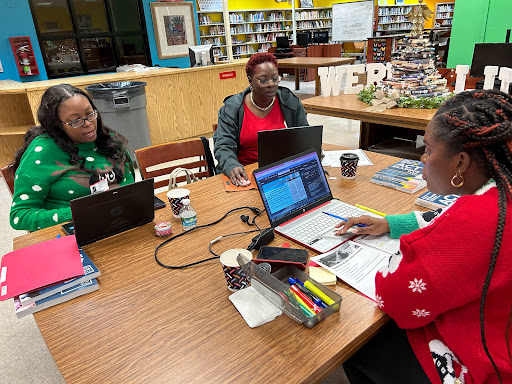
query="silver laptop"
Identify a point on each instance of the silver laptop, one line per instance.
(277, 144)
(296, 194)
(111, 212)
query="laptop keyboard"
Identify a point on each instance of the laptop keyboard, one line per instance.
(309, 232)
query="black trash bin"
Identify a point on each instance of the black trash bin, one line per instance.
(122, 105)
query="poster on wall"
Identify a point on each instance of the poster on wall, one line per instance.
(175, 28)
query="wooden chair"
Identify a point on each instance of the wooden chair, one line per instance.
(8, 176)
(193, 154)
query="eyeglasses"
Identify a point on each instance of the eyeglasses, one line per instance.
(265, 80)
(79, 122)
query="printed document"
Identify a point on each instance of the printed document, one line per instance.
(356, 262)
(332, 158)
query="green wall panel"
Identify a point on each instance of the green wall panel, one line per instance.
(477, 21)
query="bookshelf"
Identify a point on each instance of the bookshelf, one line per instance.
(394, 18)
(256, 30)
(444, 15)
(213, 31)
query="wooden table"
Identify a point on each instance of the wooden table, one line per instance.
(312, 62)
(376, 126)
(147, 324)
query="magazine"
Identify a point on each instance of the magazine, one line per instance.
(357, 261)
(433, 201)
(405, 175)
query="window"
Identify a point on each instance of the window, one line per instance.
(79, 37)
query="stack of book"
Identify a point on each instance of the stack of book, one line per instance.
(405, 175)
(413, 69)
(46, 274)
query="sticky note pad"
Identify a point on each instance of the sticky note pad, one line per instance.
(322, 275)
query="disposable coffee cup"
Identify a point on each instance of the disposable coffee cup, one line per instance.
(348, 165)
(236, 278)
(176, 197)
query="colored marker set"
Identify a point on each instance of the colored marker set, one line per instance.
(292, 291)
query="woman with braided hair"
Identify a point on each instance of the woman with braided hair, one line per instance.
(450, 285)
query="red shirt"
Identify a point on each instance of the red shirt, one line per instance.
(251, 125)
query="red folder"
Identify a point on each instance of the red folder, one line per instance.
(38, 265)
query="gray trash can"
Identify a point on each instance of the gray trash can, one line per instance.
(122, 105)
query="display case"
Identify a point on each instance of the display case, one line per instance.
(24, 56)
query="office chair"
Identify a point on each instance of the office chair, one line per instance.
(193, 154)
(8, 176)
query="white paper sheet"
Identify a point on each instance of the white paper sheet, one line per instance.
(332, 158)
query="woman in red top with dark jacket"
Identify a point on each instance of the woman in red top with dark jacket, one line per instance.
(450, 285)
(262, 106)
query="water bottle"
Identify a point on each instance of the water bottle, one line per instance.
(188, 215)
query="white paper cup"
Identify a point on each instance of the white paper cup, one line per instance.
(175, 197)
(235, 276)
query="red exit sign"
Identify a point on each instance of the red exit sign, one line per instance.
(227, 75)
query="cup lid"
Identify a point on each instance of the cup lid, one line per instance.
(349, 157)
(178, 193)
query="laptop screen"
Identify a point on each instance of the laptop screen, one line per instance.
(292, 186)
(277, 144)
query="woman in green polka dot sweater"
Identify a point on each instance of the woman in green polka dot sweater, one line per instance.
(62, 158)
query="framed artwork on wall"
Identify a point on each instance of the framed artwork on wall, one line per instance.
(175, 28)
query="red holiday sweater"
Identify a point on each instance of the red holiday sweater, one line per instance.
(432, 288)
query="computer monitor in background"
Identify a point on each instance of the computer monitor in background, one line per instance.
(283, 42)
(320, 37)
(201, 55)
(302, 39)
(498, 54)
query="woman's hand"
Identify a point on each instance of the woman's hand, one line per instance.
(374, 227)
(238, 177)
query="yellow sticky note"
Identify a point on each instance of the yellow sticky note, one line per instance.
(322, 275)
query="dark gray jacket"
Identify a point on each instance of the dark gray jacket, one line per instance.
(226, 138)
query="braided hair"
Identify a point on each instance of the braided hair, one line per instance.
(109, 143)
(480, 123)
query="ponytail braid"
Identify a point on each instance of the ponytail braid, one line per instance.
(480, 123)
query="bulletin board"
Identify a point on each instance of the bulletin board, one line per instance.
(352, 21)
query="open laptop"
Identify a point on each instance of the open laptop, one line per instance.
(295, 193)
(277, 144)
(111, 212)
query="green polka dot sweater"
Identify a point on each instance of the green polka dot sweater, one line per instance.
(45, 182)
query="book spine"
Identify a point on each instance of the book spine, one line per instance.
(391, 184)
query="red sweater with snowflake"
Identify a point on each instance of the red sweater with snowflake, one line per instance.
(432, 288)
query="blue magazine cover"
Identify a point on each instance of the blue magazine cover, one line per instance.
(405, 175)
(433, 201)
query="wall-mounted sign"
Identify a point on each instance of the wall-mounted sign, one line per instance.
(227, 75)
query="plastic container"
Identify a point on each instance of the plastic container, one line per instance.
(188, 215)
(274, 287)
(122, 106)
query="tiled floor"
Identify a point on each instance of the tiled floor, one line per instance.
(24, 357)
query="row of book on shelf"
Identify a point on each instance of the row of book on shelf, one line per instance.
(46, 274)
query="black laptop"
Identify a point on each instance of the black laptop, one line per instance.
(277, 144)
(111, 212)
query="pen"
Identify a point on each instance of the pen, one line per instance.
(371, 210)
(315, 308)
(307, 311)
(299, 285)
(342, 218)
